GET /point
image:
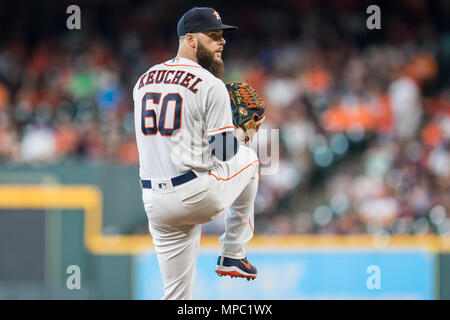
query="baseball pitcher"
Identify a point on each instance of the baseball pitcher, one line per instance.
(191, 131)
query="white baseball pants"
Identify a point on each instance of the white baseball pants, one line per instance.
(175, 216)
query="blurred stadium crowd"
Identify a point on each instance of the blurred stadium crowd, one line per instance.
(364, 115)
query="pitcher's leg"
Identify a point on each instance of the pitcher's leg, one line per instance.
(237, 182)
(239, 222)
(177, 253)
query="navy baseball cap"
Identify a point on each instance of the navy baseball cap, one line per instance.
(201, 19)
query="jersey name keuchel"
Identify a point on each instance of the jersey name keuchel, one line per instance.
(179, 77)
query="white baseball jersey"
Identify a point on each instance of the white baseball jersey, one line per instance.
(177, 105)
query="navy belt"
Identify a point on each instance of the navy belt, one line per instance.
(185, 177)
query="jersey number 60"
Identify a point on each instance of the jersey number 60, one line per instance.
(149, 124)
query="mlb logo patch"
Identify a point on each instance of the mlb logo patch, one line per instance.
(162, 185)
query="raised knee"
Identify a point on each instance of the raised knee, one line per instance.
(250, 155)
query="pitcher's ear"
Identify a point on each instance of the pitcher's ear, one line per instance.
(191, 39)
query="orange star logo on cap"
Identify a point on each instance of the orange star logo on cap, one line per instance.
(217, 15)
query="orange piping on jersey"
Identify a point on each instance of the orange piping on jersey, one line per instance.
(220, 129)
(234, 175)
(250, 223)
(180, 65)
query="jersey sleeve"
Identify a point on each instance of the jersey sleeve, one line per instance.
(218, 115)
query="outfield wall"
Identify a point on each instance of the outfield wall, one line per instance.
(318, 274)
(55, 216)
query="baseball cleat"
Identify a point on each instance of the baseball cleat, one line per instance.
(235, 268)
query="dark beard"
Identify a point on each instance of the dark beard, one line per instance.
(206, 60)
